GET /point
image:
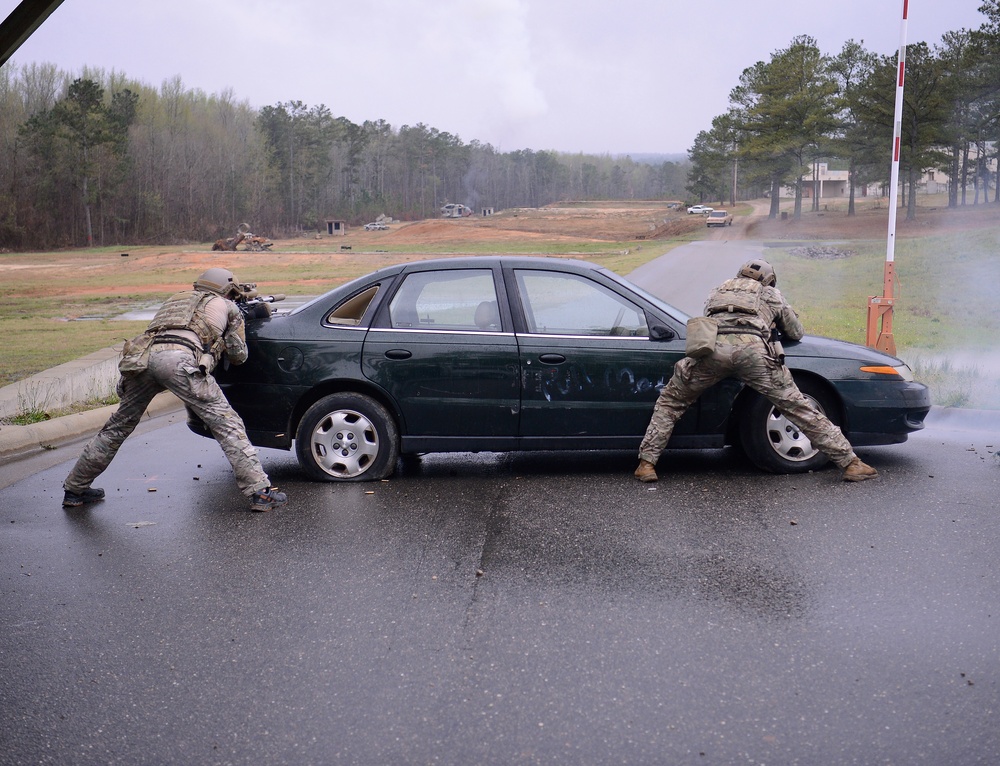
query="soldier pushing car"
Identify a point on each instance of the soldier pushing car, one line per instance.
(741, 313)
(189, 335)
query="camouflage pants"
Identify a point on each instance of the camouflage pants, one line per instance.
(173, 369)
(748, 358)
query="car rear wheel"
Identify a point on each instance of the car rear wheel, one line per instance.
(773, 443)
(347, 437)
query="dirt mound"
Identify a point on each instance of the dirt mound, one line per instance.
(619, 222)
(675, 227)
(456, 230)
(821, 252)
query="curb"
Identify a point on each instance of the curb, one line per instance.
(93, 375)
(18, 442)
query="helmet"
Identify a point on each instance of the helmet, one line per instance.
(220, 281)
(760, 270)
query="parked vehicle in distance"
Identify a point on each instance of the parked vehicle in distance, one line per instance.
(719, 218)
(375, 226)
(511, 353)
(699, 210)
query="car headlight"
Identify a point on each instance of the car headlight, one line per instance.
(902, 370)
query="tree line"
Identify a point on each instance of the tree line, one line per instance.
(802, 106)
(99, 159)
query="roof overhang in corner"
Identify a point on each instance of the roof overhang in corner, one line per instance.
(21, 23)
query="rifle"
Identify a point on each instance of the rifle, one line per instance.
(253, 304)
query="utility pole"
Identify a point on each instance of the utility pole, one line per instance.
(736, 164)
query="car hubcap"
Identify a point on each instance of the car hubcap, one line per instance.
(344, 443)
(786, 439)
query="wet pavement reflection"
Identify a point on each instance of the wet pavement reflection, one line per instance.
(505, 609)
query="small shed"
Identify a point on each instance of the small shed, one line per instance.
(336, 227)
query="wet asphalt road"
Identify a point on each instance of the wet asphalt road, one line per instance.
(497, 609)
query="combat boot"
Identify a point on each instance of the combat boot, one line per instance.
(646, 472)
(76, 499)
(267, 499)
(858, 471)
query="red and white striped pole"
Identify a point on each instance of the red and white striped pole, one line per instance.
(880, 306)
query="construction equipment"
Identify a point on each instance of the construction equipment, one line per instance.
(244, 240)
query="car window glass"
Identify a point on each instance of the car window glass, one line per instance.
(446, 300)
(352, 311)
(569, 304)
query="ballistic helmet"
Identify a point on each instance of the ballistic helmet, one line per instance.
(760, 270)
(219, 281)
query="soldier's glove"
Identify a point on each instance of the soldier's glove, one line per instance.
(258, 310)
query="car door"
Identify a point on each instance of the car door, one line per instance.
(590, 373)
(443, 350)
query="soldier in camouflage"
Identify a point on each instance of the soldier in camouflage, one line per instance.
(186, 339)
(745, 309)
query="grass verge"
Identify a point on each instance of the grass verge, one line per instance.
(943, 321)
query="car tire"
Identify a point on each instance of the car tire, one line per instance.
(347, 437)
(773, 444)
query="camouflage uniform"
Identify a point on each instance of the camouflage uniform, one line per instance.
(180, 360)
(748, 356)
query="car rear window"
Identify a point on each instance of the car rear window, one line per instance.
(352, 311)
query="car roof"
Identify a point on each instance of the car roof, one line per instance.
(510, 261)
(487, 262)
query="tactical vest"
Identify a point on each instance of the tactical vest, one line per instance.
(735, 296)
(182, 311)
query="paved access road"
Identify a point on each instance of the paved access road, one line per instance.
(498, 609)
(503, 609)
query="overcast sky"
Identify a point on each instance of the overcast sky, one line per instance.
(594, 76)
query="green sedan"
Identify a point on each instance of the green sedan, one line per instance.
(519, 353)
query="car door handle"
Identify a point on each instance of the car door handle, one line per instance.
(551, 358)
(398, 353)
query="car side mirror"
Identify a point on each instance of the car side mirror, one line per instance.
(659, 332)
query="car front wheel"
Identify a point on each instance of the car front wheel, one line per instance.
(347, 437)
(773, 443)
